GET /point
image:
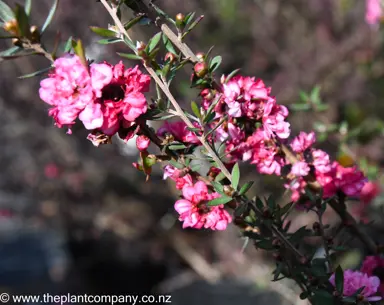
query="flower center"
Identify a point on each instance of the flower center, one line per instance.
(113, 92)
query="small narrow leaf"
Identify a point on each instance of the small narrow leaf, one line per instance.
(68, 45)
(218, 187)
(10, 51)
(35, 73)
(245, 188)
(130, 56)
(215, 63)
(50, 15)
(22, 21)
(195, 109)
(230, 75)
(176, 164)
(102, 32)
(28, 6)
(339, 280)
(168, 45)
(132, 22)
(154, 42)
(177, 147)
(109, 40)
(220, 177)
(235, 176)
(79, 51)
(6, 13)
(219, 201)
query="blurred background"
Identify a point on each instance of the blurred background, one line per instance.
(80, 219)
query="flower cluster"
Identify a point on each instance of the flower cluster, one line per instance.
(374, 266)
(106, 98)
(354, 280)
(193, 209)
(331, 175)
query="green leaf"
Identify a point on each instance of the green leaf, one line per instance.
(102, 32)
(35, 73)
(130, 56)
(235, 176)
(277, 271)
(6, 13)
(286, 208)
(194, 129)
(79, 51)
(109, 40)
(68, 45)
(195, 109)
(271, 202)
(259, 203)
(218, 187)
(230, 75)
(176, 164)
(322, 297)
(50, 15)
(132, 22)
(220, 177)
(215, 63)
(154, 42)
(10, 51)
(339, 280)
(245, 188)
(300, 107)
(209, 117)
(168, 45)
(177, 146)
(189, 18)
(28, 6)
(22, 21)
(219, 201)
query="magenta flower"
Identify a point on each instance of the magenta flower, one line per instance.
(303, 141)
(349, 179)
(373, 12)
(354, 280)
(142, 142)
(68, 90)
(371, 266)
(194, 211)
(369, 192)
(300, 169)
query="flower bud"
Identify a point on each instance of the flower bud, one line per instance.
(200, 56)
(201, 69)
(180, 22)
(11, 27)
(207, 94)
(316, 226)
(170, 57)
(140, 46)
(16, 42)
(142, 142)
(35, 34)
(266, 212)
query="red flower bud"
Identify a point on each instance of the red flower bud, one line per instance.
(180, 22)
(201, 69)
(170, 57)
(142, 142)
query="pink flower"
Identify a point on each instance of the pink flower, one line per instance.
(179, 131)
(68, 90)
(179, 176)
(119, 93)
(142, 142)
(51, 171)
(374, 12)
(349, 179)
(303, 141)
(195, 213)
(321, 161)
(92, 116)
(273, 120)
(369, 192)
(354, 280)
(300, 169)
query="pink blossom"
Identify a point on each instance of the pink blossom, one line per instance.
(303, 141)
(349, 179)
(142, 142)
(374, 12)
(92, 116)
(179, 131)
(68, 90)
(51, 171)
(101, 75)
(321, 161)
(273, 120)
(177, 175)
(354, 280)
(195, 213)
(300, 169)
(369, 192)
